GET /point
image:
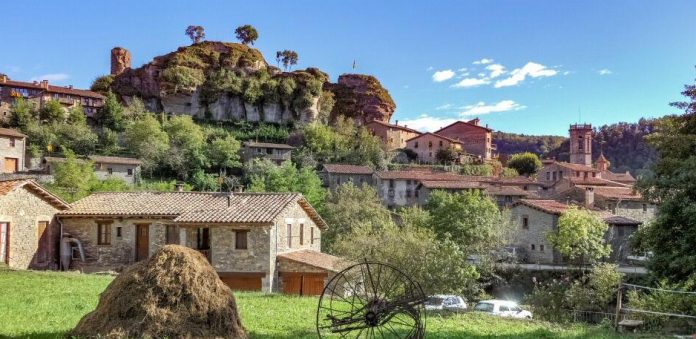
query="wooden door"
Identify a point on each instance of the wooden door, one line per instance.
(242, 282)
(142, 241)
(10, 165)
(292, 284)
(313, 285)
(42, 247)
(303, 283)
(4, 242)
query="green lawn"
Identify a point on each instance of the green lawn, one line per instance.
(47, 304)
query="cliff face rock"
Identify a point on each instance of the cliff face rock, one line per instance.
(120, 60)
(228, 81)
(361, 97)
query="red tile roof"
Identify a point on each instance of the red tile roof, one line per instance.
(421, 175)
(617, 193)
(316, 259)
(576, 167)
(618, 177)
(436, 135)
(520, 180)
(52, 89)
(590, 181)
(7, 186)
(498, 190)
(548, 206)
(469, 123)
(11, 133)
(348, 169)
(403, 128)
(115, 160)
(450, 184)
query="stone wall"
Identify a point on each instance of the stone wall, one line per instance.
(256, 258)
(23, 210)
(476, 140)
(427, 146)
(333, 180)
(7, 151)
(540, 223)
(119, 171)
(401, 194)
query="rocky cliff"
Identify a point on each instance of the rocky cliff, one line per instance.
(228, 81)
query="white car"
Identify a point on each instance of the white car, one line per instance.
(502, 308)
(445, 303)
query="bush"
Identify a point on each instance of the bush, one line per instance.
(182, 77)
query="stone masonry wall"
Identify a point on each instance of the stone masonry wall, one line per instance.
(23, 210)
(540, 224)
(7, 151)
(256, 258)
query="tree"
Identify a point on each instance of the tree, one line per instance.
(21, 114)
(265, 176)
(52, 111)
(136, 109)
(149, 142)
(672, 236)
(186, 141)
(349, 207)
(102, 84)
(73, 177)
(471, 219)
(195, 33)
(526, 163)
(509, 172)
(287, 57)
(111, 115)
(246, 34)
(76, 115)
(224, 152)
(447, 155)
(580, 236)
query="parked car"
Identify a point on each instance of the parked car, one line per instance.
(445, 303)
(639, 259)
(502, 308)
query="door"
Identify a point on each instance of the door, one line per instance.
(303, 283)
(42, 246)
(4, 242)
(142, 241)
(292, 284)
(10, 165)
(241, 281)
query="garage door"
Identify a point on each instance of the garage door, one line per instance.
(242, 281)
(10, 165)
(303, 283)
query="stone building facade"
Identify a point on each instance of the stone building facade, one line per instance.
(534, 219)
(427, 145)
(333, 175)
(476, 139)
(126, 169)
(393, 136)
(28, 230)
(12, 150)
(277, 153)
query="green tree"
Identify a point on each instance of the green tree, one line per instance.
(672, 236)
(21, 114)
(148, 141)
(224, 152)
(415, 216)
(102, 84)
(470, 218)
(52, 111)
(326, 104)
(246, 34)
(73, 177)
(195, 33)
(136, 110)
(265, 176)
(76, 115)
(447, 155)
(287, 57)
(78, 138)
(510, 172)
(580, 236)
(186, 139)
(109, 142)
(526, 163)
(111, 115)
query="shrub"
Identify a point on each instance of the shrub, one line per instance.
(182, 77)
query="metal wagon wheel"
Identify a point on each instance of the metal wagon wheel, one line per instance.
(371, 300)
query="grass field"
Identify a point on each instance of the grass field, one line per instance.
(47, 304)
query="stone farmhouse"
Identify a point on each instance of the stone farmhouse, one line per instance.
(393, 136)
(255, 241)
(28, 228)
(126, 169)
(12, 149)
(278, 153)
(476, 139)
(333, 175)
(38, 94)
(427, 145)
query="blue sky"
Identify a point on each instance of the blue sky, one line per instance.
(521, 66)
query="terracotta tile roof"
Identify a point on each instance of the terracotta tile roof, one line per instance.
(267, 145)
(548, 206)
(403, 128)
(11, 133)
(618, 177)
(590, 181)
(316, 259)
(7, 186)
(622, 221)
(52, 89)
(618, 193)
(348, 169)
(436, 135)
(115, 160)
(191, 207)
(469, 123)
(503, 190)
(520, 180)
(576, 167)
(420, 175)
(450, 184)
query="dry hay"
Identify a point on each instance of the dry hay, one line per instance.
(174, 294)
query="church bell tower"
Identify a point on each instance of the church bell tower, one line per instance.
(581, 144)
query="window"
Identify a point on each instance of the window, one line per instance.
(119, 231)
(171, 234)
(259, 151)
(240, 239)
(203, 238)
(554, 176)
(110, 170)
(289, 235)
(577, 174)
(103, 233)
(430, 144)
(269, 151)
(416, 193)
(130, 171)
(541, 248)
(533, 247)
(645, 208)
(440, 143)
(502, 308)
(560, 175)
(391, 183)
(311, 235)
(301, 234)
(12, 142)
(594, 174)
(525, 222)
(548, 176)
(415, 145)
(408, 193)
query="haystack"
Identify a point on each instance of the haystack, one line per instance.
(174, 294)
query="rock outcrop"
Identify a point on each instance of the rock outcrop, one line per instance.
(120, 60)
(229, 81)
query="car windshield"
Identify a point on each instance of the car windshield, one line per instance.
(484, 307)
(434, 301)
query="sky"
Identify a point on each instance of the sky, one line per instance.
(531, 67)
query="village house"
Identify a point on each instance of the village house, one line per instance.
(29, 231)
(403, 188)
(476, 139)
(277, 153)
(427, 145)
(126, 169)
(619, 201)
(255, 241)
(12, 150)
(333, 175)
(393, 136)
(38, 94)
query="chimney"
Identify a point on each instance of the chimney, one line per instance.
(179, 186)
(229, 199)
(396, 122)
(238, 189)
(44, 84)
(589, 197)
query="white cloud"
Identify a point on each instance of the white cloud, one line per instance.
(496, 70)
(483, 61)
(463, 69)
(441, 76)
(430, 68)
(566, 73)
(518, 75)
(443, 107)
(471, 82)
(482, 108)
(604, 71)
(426, 123)
(54, 77)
